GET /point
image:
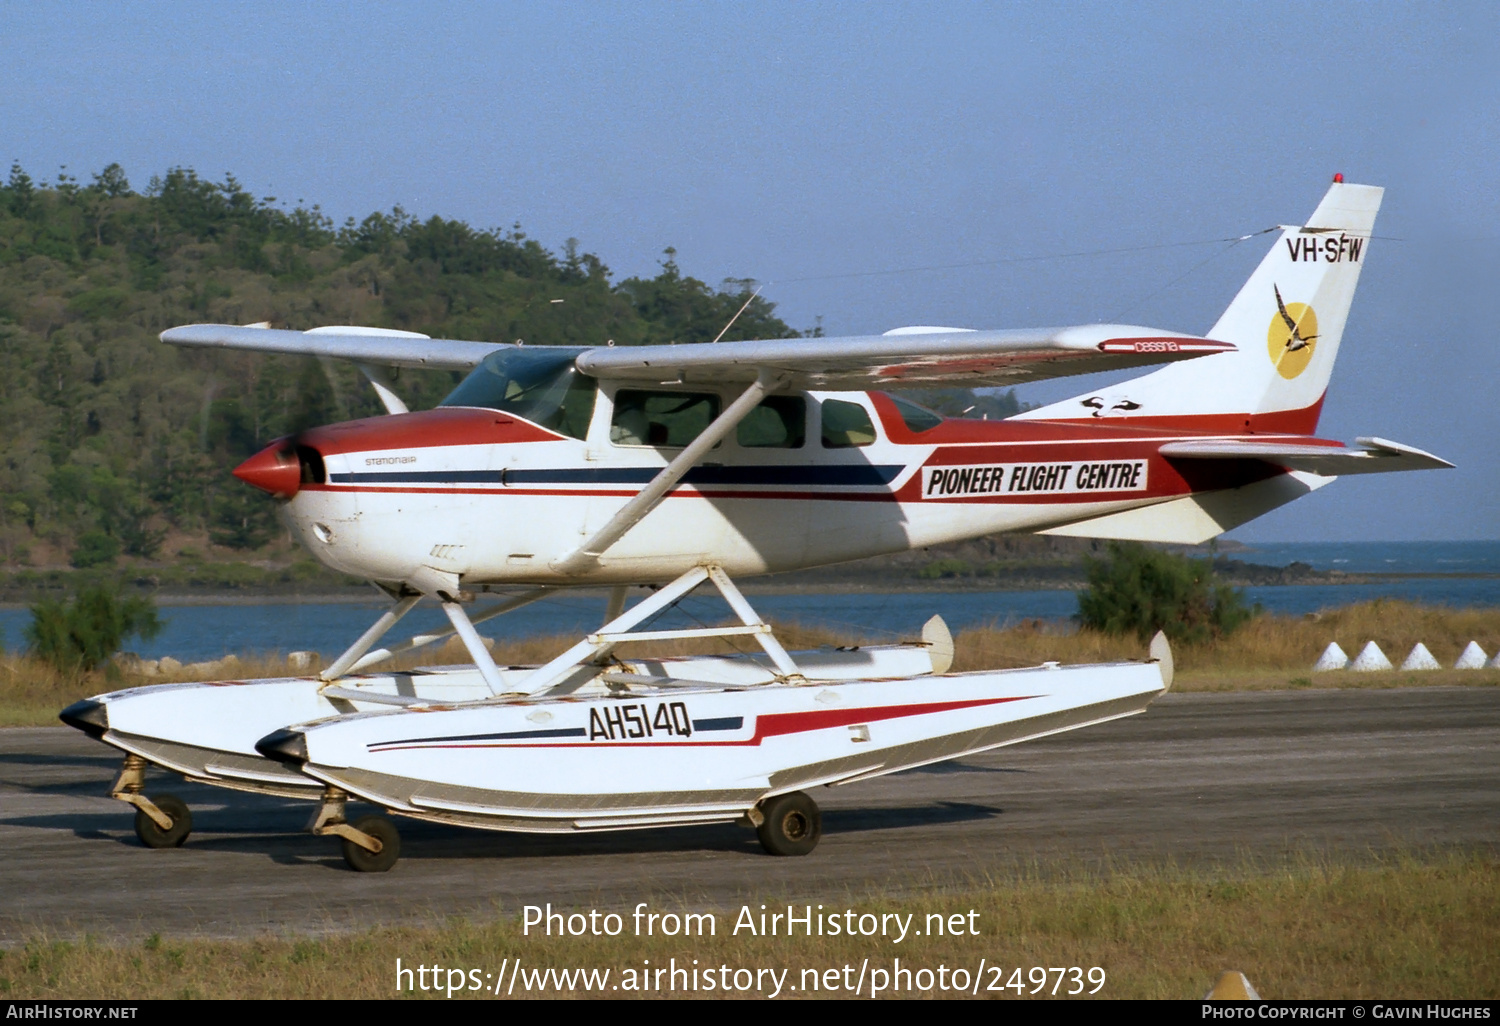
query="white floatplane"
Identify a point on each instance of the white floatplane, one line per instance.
(560, 467)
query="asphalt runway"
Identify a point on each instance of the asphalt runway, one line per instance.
(1198, 778)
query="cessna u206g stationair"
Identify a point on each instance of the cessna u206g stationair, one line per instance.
(553, 467)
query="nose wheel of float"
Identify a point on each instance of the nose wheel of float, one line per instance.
(179, 822)
(361, 858)
(162, 820)
(788, 824)
(371, 844)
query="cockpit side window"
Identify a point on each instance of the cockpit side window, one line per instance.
(668, 420)
(537, 384)
(660, 419)
(846, 425)
(779, 422)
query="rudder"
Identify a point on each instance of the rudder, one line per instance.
(1286, 323)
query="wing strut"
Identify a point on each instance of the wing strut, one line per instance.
(381, 382)
(647, 499)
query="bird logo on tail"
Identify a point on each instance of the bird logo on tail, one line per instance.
(1292, 336)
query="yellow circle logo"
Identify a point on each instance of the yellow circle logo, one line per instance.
(1292, 336)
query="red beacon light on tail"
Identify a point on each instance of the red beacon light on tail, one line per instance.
(1338, 176)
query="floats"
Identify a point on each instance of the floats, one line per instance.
(638, 744)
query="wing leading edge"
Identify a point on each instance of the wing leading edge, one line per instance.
(362, 345)
(861, 362)
(852, 363)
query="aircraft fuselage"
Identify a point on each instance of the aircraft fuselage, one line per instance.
(496, 499)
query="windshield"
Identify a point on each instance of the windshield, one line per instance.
(538, 384)
(916, 418)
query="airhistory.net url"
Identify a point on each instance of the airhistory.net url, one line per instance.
(513, 978)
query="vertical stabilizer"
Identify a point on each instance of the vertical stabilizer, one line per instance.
(1286, 323)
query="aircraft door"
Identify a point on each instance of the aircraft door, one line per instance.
(645, 429)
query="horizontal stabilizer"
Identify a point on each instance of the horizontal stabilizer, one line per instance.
(1375, 455)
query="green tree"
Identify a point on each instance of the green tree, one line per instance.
(942, 568)
(1140, 590)
(137, 537)
(21, 190)
(83, 633)
(112, 182)
(243, 519)
(95, 548)
(112, 435)
(683, 309)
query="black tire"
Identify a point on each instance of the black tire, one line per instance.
(792, 826)
(365, 861)
(153, 836)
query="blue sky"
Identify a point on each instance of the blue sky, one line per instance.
(795, 143)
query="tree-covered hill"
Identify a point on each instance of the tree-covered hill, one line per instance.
(118, 447)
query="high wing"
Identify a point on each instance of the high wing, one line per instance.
(948, 356)
(861, 362)
(363, 345)
(1376, 456)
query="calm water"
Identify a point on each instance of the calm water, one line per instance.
(207, 632)
(1381, 557)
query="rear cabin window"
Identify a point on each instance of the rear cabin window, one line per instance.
(846, 425)
(538, 384)
(667, 420)
(779, 422)
(916, 418)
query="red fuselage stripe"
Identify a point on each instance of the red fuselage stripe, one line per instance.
(680, 492)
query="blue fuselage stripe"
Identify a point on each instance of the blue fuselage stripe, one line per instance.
(844, 474)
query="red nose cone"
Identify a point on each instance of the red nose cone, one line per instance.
(274, 469)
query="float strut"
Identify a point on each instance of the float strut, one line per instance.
(475, 644)
(616, 604)
(750, 618)
(341, 665)
(621, 630)
(417, 641)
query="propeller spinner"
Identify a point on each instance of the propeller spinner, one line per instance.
(281, 468)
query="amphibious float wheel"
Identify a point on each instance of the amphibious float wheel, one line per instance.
(792, 825)
(153, 836)
(363, 859)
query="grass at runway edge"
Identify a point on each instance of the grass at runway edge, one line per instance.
(1407, 926)
(1270, 653)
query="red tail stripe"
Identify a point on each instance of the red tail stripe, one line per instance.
(776, 724)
